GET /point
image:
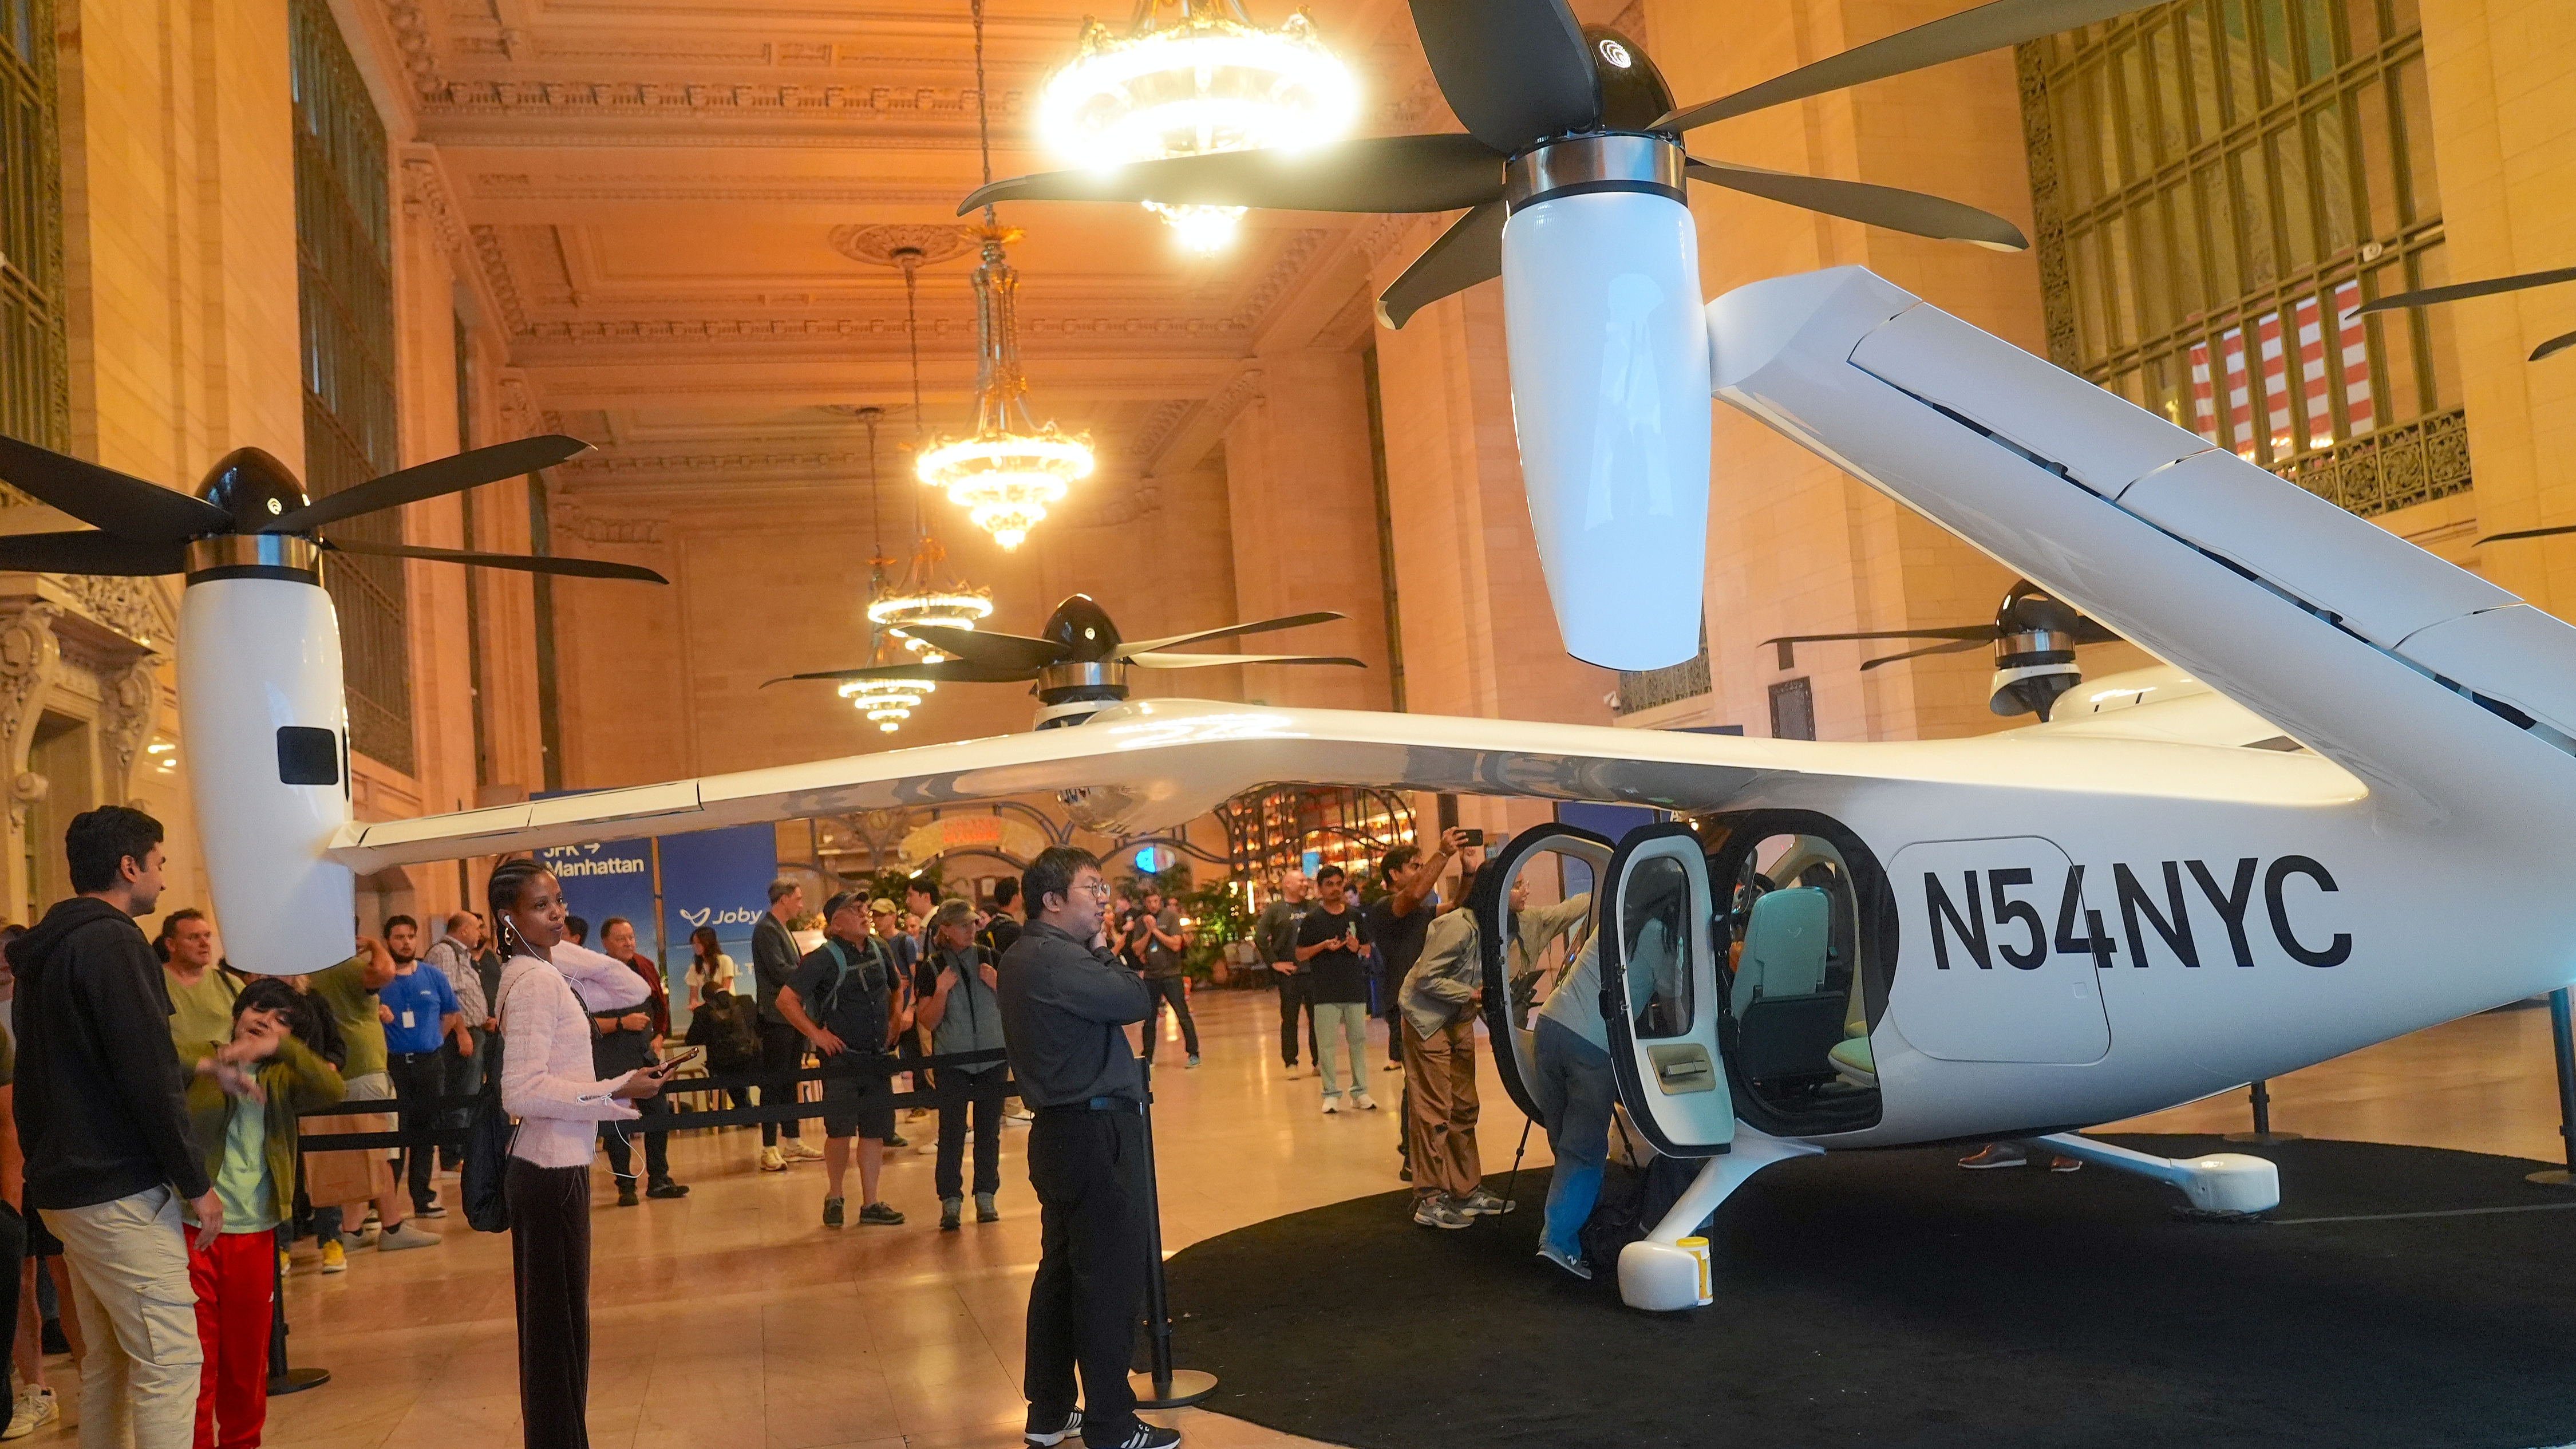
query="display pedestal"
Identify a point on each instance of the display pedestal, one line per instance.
(2562, 1042)
(2262, 1135)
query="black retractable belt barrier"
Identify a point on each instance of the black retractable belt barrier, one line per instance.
(1166, 1387)
(2562, 1041)
(283, 1378)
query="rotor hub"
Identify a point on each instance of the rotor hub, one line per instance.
(1103, 680)
(255, 556)
(1608, 161)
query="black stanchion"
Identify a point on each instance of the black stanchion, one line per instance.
(1511, 1191)
(283, 1378)
(1165, 1387)
(2262, 1135)
(2562, 1039)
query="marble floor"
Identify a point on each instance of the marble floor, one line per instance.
(733, 1318)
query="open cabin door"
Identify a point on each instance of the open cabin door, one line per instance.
(1659, 992)
(1558, 866)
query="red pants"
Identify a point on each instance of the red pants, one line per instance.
(234, 1280)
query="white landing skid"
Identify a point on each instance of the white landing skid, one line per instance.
(1660, 1277)
(2227, 1183)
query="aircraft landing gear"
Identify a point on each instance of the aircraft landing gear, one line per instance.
(2223, 1185)
(1657, 1275)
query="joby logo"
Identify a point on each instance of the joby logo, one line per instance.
(739, 915)
(1615, 53)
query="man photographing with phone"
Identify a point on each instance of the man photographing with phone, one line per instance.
(1330, 942)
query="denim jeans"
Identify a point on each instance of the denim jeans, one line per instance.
(1336, 1021)
(1574, 1093)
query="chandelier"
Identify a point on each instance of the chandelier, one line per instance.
(1006, 472)
(926, 597)
(1211, 80)
(887, 702)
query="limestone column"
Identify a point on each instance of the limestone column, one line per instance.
(30, 658)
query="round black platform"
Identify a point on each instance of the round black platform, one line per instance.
(2400, 1296)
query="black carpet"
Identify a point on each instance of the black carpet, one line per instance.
(1890, 1298)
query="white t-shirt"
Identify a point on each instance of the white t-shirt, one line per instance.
(721, 975)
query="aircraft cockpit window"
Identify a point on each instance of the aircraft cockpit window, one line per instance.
(1655, 937)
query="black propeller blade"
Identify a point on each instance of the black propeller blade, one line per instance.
(946, 671)
(120, 503)
(1955, 647)
(2529, 533)
(2459, 291)
(1513, 70)
(1953, 37)
(1380, 173)
(2553, 346)
(1470, 251)
(90, 551)
(1133, 647)
(1887, 206)
(1023, 657)
(430, 480)
(1160, 660)
(579, 568)
(1972, 633)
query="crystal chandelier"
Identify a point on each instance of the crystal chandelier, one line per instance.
(1006, 472)
(925, 597)
(1211, 80)
(889, 702)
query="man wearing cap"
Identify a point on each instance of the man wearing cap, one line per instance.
(1066, 1005)
(842, 1000)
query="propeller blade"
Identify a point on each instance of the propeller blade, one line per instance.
(2459, 290)
(1134, 647)
(1021, 655)
(2490, 538)
(1470, 251)
(1963, 644)
(1972, 633)
(89, 551)
(1887, 206)
(1512, 70)
(117, 502)
(946, 671)
(431, 480)
(1953, 37)
(578, 568)
(1159, 660)
(2553, 346)
(1378, 173)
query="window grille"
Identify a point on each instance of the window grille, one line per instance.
(35, 373)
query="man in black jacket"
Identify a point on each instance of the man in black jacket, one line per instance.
(103, 1120)
(774, 958)
(1066, 1005)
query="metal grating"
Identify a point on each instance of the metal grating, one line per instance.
(35, 368)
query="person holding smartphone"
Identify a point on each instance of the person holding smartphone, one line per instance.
(1330, 943)
(546, 1083)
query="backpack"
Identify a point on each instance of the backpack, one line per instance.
(488, 1135)
(723, 1026)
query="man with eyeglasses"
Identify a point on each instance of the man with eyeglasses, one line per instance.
(1066, 1004)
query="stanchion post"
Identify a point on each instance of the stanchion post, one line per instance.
(2261, 1096)
(283, 1379)
(1166, 1387)
(2562, 1041)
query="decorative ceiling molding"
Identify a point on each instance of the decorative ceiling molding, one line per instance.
(419, 52)
(1159, 425)
(820, 104)
(425, 198)
(519, 415)
(495, 263)
(730, 186)
(877, 244)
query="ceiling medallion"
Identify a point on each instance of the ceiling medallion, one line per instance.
(1209, 80)
(885, 245)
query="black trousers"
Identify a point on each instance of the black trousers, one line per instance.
(1296, 997)
(781, 1048)
(464, 1079)
(418, 1077)
(1175, 991)
(618, 1138)
(1088, 1169)
(13, 1251)
(550, 1279)
(960, 1093)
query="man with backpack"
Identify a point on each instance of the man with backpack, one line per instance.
(963, 1012)
(841, 1000)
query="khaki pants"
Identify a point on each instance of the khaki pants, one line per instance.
(1440, 1117)
(138, 1312)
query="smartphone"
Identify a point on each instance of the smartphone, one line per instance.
(679, 1059)
(1475, 835)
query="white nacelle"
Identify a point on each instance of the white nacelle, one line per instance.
(259, 697)
(1609, 367)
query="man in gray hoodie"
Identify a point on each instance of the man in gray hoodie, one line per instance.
(963, 1011)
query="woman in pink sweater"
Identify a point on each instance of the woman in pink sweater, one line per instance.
(546, 1083)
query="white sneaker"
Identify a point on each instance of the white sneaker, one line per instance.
(34, 1410)
(404, 1235)
(1363, 1101)
(771, 1161)
(1332, 1106)
(797, 1151)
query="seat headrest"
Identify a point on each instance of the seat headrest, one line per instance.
(1787, 938)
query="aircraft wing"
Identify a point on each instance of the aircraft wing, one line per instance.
(1138, 766)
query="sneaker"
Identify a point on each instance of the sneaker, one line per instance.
(985, 1212)
(925, 1148)
(797, 1151)
(897, 1139)
(1332, 1106)
(626, 1192)
(431, 1211)
(1392, 1067)
(1194, 1059)
(1048, 1438)
(1994, 1154)
(771, 1160)
(831, 1212)
(917, 1114)
(949, 1210)
(1143, 1436)
(1291, 1073)
(1364, 1101)
(880, 1215)
(1019, 1114)
(285, 1263)
(665, 1187)
(1482, 1203)
(2066, 1164)
(35, 1409)
(406, 1235)
(1435, 1212)
(1566, 1260)
(335, 1259)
